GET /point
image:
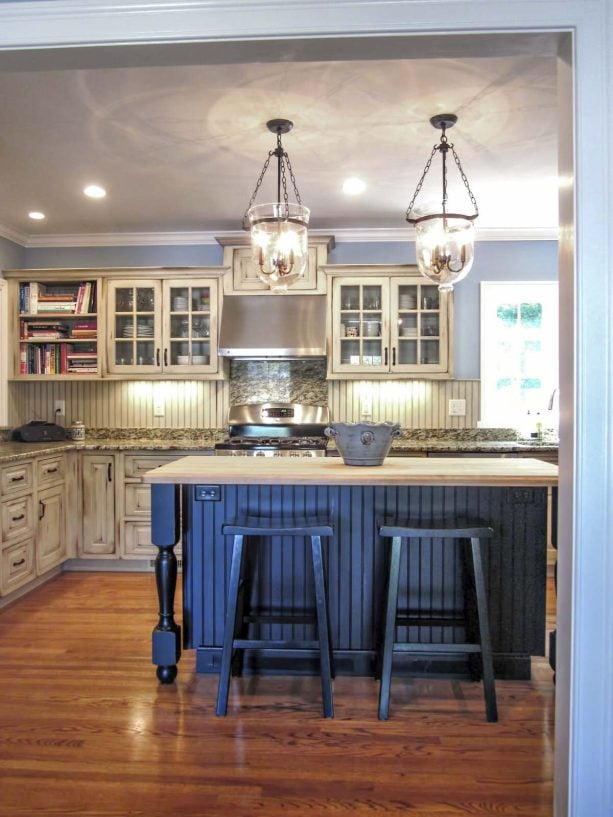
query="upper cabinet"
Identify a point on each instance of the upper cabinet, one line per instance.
(243, 276)
(82, 324)
(387, 321)
(165, 326)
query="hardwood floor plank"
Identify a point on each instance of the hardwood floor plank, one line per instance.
(88, 731)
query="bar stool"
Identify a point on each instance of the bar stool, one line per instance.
(250, 526)
(448, 529)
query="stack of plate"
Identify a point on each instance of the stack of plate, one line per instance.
(144, 330)
(408, 301)
(128, 330)
(179, 303)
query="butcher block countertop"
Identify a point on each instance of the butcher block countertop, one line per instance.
(332, 471)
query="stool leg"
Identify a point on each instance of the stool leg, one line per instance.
(230, 626)
(489, 688)
(390, 629)
(322, 627)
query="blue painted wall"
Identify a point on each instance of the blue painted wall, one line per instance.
(494, 261)
(12, 256)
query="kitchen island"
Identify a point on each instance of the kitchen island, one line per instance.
(193, 496)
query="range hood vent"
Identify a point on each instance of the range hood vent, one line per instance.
(273, 326)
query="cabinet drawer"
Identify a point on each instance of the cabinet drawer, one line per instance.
(135, 465)
(50, 470)
(137, 542)
(17, 518)
(17, 566)
(138, 500)
(16, 479)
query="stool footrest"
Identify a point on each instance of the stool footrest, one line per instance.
(418, 621)
(437, 648)
(272, 644)
(254, 618)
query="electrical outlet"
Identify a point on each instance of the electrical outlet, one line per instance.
(457, 408)
(366, 405)
(59, 408)
(158, 407)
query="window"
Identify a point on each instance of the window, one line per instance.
(519, 353)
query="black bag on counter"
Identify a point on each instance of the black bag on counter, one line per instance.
(39, 431)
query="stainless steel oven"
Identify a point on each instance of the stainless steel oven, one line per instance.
(275, 430)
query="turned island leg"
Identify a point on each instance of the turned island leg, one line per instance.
(166, 637)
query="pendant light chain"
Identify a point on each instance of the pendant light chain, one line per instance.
(421, 181)
(283, 157)
(465, 180)
(443, 146)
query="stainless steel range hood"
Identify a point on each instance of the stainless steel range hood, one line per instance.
(273, 326)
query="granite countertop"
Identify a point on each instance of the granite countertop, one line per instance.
(435, 440)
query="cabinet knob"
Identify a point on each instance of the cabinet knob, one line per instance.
(41, 509)
(20, 562)
(17, 518)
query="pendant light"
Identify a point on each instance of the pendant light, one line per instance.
(445, 240)
(279, 237)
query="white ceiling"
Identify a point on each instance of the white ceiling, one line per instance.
(179, 147)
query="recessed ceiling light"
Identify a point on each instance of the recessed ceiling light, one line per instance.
(36, 215)
(94, 191)
(353, 186)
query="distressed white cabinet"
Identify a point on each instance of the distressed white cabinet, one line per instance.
(387, 322)
(243, 274)
(163, 326)
(98, 532)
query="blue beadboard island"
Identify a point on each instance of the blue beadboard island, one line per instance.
(192, 496)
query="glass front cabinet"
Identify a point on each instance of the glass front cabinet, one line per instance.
(162, 326)
(385, 323)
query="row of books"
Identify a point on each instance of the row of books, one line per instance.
(56, 330)
(77, 299)
(56, 358)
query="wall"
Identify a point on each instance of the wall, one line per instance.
(204, 404)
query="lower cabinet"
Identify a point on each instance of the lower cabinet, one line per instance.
(51, 539)
(98, 536)
(135, 525)
(32, 519)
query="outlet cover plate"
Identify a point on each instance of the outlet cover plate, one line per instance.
(457, 408)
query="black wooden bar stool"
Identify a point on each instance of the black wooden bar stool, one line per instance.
(458, 530)
(251, 526)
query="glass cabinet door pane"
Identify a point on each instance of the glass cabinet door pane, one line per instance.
(201, 299)
(124, 299)
(145, 299)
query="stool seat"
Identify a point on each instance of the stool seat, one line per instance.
(278, 526)
(247, 529)
(445, 527)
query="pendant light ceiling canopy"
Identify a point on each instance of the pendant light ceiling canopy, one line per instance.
(279, 236)
(444, 240)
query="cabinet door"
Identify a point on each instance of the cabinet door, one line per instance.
(190, 326)
(134, 312)
(98, 505)
(419, 327)
(51, 532)
(245, 272)
(360, 325)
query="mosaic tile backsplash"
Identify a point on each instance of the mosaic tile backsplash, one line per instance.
(283, 381)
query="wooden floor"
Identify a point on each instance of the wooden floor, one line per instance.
(86, 730)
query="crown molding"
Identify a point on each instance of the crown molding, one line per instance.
(342, 235)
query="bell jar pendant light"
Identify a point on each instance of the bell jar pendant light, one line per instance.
(444, 240)
(279, 236)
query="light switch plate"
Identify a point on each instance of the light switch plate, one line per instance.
(59, 408)
(457, 408)
(158, 408)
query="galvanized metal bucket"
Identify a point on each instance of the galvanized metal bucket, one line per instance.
(363, 443)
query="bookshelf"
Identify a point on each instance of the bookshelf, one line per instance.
(58, 329)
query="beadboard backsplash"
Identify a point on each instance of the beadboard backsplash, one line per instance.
(204, 403)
